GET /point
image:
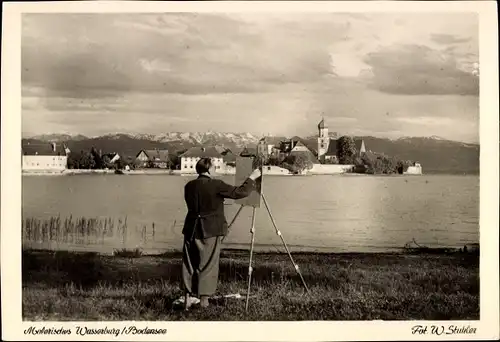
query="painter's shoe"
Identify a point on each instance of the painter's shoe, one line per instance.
(188, 302)
(204, 302)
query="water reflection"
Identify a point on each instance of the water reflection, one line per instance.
(336, 212)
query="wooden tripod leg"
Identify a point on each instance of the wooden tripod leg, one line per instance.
(250, 269)
(284, 243)
(233, 220)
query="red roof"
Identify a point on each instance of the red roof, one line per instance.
(271, 140)
(157, 155)
(202, 152)
(229, 157)
(248, 151)
(220, 149)
(332, 148)
(307, 155)
(32, 149)
(358, 143)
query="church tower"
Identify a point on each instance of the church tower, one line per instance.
(323, 138)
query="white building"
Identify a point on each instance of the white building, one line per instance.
(194, 154)
(153, 158)
(275, 170)
(269, 146)
(415, 169)
(323, 139)
(265, 147)
(44, 157)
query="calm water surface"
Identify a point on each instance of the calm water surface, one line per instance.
(337, 213)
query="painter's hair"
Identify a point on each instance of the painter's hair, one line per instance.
(203, 165)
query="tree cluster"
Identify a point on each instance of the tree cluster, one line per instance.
(175, 160)
(82, 160)
(347, 151)
(347, 154)
(91, 160)
(296, 163)
(378, 163)
(368, 162)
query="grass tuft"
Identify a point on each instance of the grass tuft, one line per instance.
(128, 253)
(127, 286)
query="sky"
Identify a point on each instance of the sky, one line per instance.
(380, 74)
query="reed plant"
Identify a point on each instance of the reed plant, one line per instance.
(83, 230)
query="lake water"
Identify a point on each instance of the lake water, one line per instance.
(323, 213)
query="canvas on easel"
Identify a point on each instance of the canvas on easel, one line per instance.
(244, 167)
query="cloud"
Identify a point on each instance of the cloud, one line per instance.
(272, 72)
(341, 119)
(426, 120)
(348, 109)
(171, 53)
(419, 70)
(106, 55)
(155, 65)
(442, 38)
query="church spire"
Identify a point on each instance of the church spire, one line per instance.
(321, 124)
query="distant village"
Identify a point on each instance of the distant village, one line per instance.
(289, 156)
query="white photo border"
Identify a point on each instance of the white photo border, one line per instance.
(13, 326)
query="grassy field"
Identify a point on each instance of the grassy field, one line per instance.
(71, 286)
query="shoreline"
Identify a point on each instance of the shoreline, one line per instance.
(471, 249)
(176, 173)
(71, 172)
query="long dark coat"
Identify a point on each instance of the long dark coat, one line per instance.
(204, 198)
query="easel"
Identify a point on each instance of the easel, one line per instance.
(252, 232)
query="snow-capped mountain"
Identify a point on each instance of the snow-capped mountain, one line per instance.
(196, 138)
(239, 139)
(434, 140)
(58, 137)
(434, 153)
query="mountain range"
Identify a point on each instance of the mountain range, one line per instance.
(436, 155)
